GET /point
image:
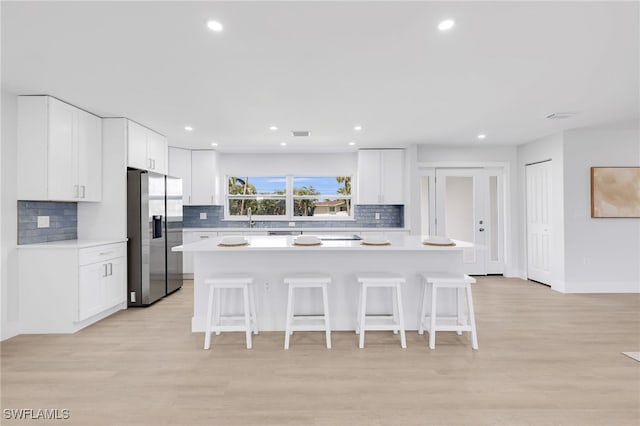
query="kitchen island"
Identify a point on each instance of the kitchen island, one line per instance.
(270, 258)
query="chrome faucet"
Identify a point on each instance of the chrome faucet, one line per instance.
(251, 222)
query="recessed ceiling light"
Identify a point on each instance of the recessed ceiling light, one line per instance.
(214, 26)
(188, 128)
(352, 143)
(214, 144)
(482, 136)
(445, 25)
(357, 128)
(273, 127)
(283, 144)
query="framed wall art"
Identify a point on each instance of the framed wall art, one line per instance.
(615, 192)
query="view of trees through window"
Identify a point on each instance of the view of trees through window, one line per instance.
(289, 196)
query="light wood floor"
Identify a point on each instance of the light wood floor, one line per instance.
(545, 359)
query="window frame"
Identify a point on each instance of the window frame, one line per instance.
(289, 198)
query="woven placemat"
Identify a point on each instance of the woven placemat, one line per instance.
(364, 243)
(307, 244)
(438, 244)
(233, 245)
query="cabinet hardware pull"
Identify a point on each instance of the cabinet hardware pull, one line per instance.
(106, 270)
(104, 253)
(110, 268)
(204, 236)
(75, 191)
(83, 192)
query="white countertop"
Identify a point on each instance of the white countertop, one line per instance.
(294, 229)
(285, 242)
(70, 244)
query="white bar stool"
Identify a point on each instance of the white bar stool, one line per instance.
(457, 323)
(307, 322)
(248, 320)
(393, 322)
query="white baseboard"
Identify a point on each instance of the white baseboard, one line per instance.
(602, 287)
(9, 330)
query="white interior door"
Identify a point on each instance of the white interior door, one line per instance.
(461, 212)
(538, 189)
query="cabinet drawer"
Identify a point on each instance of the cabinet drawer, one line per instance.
(101, 253)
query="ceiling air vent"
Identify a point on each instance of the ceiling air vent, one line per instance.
(301, 133)
(560, 115)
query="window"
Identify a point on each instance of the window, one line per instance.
(289, 197)
(322, 196)
(264, 195)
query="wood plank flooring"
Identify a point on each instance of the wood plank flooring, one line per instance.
(545, 359)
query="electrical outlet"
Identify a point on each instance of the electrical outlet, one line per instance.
(292, 224)
(267, 287)
(203, 215)
(377, 216)
(43, 221)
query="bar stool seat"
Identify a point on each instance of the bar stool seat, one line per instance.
(393, 322)
(307, 322)
(433, 322)
(246, 322)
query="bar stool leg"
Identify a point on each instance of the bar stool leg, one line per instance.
(327, 322)
(423, 310)
(432, 330)
(461, 320)
(287, 329)
(207, 330)
(217, 311)
(247, 314)
(254, 311)
(403, 338)
(394, 297)
(359, 310)
(363, 314)
(472, 319)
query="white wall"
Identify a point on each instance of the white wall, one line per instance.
(547, 148)
(279, 164)
(479, 155)
(601, 254)
(8, 222)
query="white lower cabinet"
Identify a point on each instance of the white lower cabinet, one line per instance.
(192, 237)
(100, 286)
(64, 288)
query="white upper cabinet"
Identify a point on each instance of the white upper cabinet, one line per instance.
(204, 178)
(180, 166)
(146, 149)
(380, 176)
(59, 151)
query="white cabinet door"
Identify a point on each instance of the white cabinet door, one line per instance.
(392, 176)
(192, 237)
(369, 177)
(180, 166)
(137, 146)
(157, 152)
(114, 284)
(90, 289)
(89, 159)
(62, 152)
(203, 177)
(380, 176)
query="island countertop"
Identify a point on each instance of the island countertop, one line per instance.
(286, 243)
(268, 259)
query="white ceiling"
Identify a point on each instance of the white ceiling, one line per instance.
(327, 66)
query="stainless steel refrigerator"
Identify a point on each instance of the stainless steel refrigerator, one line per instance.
(146, 254)
(174, 233)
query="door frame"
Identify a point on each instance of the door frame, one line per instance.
(504, 200)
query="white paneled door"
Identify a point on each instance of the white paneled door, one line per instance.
(468, 208)
(539, 221)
